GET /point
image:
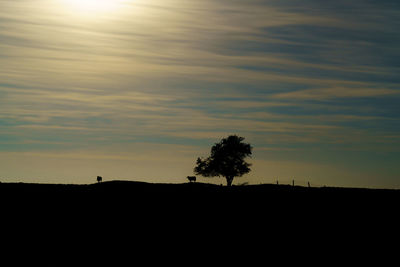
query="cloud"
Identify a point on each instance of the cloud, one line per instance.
(337, 92)
(286, 76)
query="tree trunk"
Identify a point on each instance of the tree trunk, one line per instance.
(229, 180)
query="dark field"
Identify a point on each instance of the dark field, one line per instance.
(132, 189)
(127, 194)
(124, 222)
(197, 207)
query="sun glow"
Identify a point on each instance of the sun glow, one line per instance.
(93, 7)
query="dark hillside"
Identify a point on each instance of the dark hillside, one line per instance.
(132, 188)
(182, 208)
(139, 189)
(194, 217)
(125, 193)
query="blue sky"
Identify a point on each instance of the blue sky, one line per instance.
(139, 89)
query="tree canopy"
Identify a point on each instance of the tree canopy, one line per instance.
(227, 159)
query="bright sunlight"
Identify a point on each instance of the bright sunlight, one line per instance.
(92, 8)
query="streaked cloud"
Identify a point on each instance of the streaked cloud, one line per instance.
(337, 92)
(310, 77)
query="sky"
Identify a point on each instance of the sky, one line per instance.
(138, 89)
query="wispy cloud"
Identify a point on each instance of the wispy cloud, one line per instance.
(287, 76)
(337, 92)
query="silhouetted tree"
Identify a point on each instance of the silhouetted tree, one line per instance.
(226, 159)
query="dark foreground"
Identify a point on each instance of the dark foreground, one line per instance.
(121, 222)
(193, 201)
(197, 204)
(193, 197)
(132, 189)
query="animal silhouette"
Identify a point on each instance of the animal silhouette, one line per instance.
(191, 178)
(99, 179)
